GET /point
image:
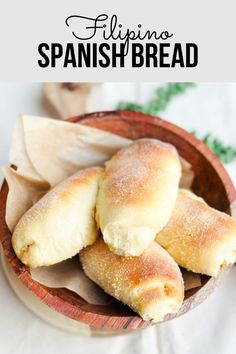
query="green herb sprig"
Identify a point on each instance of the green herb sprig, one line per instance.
(225, 153)
(163, 96)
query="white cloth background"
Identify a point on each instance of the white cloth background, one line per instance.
(209, 328)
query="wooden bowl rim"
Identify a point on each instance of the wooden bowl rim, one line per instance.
(99, 320)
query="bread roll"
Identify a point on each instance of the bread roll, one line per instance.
(137, 195)
(60, 223)
(199, 237)
(151, 284)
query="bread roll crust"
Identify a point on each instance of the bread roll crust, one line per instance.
(151, 284)
(61, 223)
(137, 194)
(199, 237)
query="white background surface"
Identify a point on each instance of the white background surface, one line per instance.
(209, 328)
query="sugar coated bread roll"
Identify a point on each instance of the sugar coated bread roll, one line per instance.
(137, 194)
(151, 284)
(61, 223)
(199, 237)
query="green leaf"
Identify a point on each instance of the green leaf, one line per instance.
(225, 152)
(163, 96)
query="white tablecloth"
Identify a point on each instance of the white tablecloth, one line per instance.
(209, 328)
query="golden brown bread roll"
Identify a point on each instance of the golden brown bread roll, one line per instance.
(137, 194)
(199, 237)
(60, 223)
(151, 284)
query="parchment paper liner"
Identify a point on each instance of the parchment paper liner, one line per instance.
(45, 152)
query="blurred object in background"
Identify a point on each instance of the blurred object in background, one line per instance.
(63, 100)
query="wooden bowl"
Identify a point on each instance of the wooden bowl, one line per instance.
(211, 182)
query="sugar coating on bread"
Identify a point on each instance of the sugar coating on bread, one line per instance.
(61, 223)
(151, 284)
(198, 237)
(137, 194)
